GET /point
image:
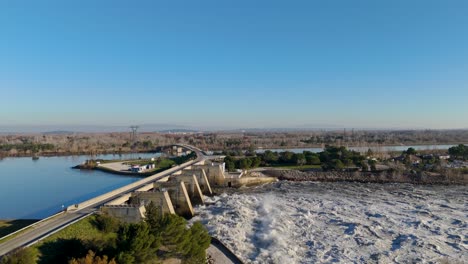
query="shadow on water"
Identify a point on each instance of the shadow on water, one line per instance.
(10, 226)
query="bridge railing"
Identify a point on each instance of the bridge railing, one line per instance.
(31, 225)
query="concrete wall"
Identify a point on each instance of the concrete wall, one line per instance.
(249, 181)
(145, 188)
(179, 197)
(193, 189)
(121, 200)
(202, 178)
(125, 213)
(214, 173)
(159, 198)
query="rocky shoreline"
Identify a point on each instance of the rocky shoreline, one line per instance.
(367, 177)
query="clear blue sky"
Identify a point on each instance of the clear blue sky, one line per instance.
(379, 64)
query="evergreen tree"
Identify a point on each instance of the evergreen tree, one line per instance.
(136, 244)
(91, 258)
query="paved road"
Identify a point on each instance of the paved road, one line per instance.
(46, 228)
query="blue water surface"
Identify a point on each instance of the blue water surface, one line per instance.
(34, 189)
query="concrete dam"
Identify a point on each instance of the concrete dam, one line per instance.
(179, 192)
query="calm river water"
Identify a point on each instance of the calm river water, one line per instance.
(36, 189)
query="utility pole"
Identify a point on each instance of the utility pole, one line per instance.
(133, 135)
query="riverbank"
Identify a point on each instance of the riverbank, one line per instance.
(73, 154)
(138, 167)
(367, 177)
(123, 173)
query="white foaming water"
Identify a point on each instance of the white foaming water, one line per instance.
(309, 222)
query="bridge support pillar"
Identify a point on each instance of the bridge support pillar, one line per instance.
(160, 199)
(179, 197)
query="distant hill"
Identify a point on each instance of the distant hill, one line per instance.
(58, 132)
(178, 130)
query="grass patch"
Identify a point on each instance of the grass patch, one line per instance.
(72, 241)
(10, 226)
(297, 167)
(84, 229)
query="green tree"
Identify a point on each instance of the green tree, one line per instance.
(299, 159)
(460, 151)
(270, 157)
(136, 244)
(173, 232)
(337, 164)
(198, 243)
(287, 157)
(245, 163)
(21, 256)
(256, 161)
(313, 160)
(107, 223)
(411, 151)
(153, 218)
(230, 163)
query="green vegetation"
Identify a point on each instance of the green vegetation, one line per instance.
(27, 146)
(91, 258)
(101, 239)
(183, 159)
(332, 158)
(21, 256)
(10, 226)
(411, 151)
(460, 151)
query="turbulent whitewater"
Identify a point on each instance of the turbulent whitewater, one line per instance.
(309, 222)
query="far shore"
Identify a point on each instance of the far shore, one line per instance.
(84, 153)
(383, 177)
(73, 154)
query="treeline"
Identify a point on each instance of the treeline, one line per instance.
(185, 158)
(156, 238)
(332, 158)
(460, 151)
(27, 147)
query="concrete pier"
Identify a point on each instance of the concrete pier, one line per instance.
(202, 178)
(192, 186)
(125, 213)
(159, 198)
(214, 172)
(179, 197)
